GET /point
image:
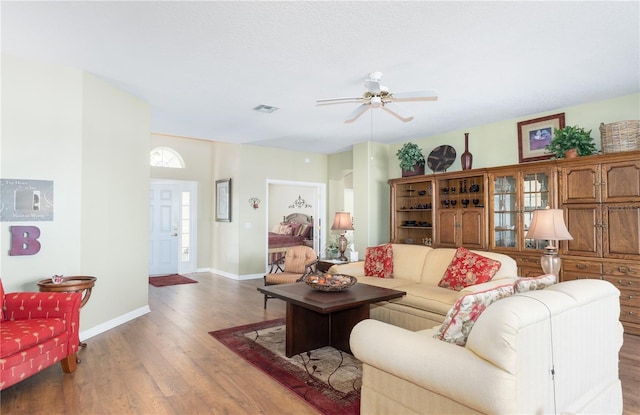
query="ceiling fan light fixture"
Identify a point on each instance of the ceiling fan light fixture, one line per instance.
(268, 109)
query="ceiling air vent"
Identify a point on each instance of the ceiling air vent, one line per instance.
(266, 108)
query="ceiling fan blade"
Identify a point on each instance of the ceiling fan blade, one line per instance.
(357, 113)
(425, 95)
(346, 100)
(398, 111)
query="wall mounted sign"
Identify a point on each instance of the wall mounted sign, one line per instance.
(24, 240)
(26, 200)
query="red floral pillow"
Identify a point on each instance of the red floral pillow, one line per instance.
(465, 312)
(468, 268)
(378, 261)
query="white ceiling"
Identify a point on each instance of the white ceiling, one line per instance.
(203, 66)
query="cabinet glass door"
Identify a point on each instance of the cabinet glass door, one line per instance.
(505, 215)
(535, 193)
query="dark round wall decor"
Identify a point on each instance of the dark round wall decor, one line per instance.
(441, 158)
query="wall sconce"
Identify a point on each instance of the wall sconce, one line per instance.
(254, 202)
(342, 222)
(549, 224)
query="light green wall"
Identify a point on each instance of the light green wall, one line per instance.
(496, 144)
(92, 140)
(238, 247)
(196, 155)
(281, 202)
(492, 145)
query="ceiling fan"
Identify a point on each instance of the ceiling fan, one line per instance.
(379, 96)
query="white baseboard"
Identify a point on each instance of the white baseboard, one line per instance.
(108, 325)
(236, 276)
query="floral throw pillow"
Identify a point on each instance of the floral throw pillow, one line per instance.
(378, 261)
(468, 268)
(465, 312)
(536, 283)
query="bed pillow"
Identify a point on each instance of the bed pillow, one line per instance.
(465, 312)
(285, 229)
(305, 230)
(468, 268)
(536, 283)
(276, 228)
(295, 228)
(378, 261)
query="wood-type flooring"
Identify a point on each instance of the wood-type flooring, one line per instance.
(166, 362)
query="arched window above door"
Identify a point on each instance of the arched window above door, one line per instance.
(166, 157)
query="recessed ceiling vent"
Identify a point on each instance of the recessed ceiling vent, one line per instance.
(266, 108)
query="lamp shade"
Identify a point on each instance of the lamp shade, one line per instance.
(548, 224)
(342, 222)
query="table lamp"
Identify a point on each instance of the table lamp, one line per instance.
(549, 224)
(342, 222)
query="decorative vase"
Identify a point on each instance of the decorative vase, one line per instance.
(571, 153)
(466, 159)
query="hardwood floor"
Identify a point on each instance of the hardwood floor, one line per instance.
(166, 362)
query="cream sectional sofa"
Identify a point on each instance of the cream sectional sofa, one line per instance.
(551, 351)
(417, 270)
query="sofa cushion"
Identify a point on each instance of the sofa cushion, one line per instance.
(468, 268)
(409, 260)
(536, 283)
(19, 335)
(428, 297)
(462, 316)
(393, 283)
(378, 261)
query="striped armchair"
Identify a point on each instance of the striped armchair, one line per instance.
(299, 261)
(37, 330)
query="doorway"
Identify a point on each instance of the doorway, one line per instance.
(313, 203)
(172, 227)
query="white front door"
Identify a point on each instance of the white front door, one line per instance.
(164, 218)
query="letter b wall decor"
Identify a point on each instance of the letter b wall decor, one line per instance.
(24, 240)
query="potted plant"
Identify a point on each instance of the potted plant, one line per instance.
(411, 160)
(569, 140)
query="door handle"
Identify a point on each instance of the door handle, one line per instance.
(174, 234)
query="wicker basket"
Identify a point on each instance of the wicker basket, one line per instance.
(620, 136)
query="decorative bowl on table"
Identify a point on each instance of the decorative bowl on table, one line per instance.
(329, 282)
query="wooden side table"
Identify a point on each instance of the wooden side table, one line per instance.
(71, 284)
(325, 264)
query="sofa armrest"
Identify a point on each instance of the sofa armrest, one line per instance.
(444, 368)
(355, 269)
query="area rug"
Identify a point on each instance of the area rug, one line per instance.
(326, 378)
(173, 279)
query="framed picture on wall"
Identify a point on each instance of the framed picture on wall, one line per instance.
(223, 200)
(534, 135)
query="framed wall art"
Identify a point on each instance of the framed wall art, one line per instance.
(223, 200)
(26, 200)
(534, 135)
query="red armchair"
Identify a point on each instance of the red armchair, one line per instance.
(37, 330)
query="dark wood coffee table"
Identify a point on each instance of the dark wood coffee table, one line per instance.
(316, 319)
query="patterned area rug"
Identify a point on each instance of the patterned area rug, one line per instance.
(328, 379)
(173, 279)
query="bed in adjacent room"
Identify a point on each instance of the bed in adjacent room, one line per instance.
(295, 229)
